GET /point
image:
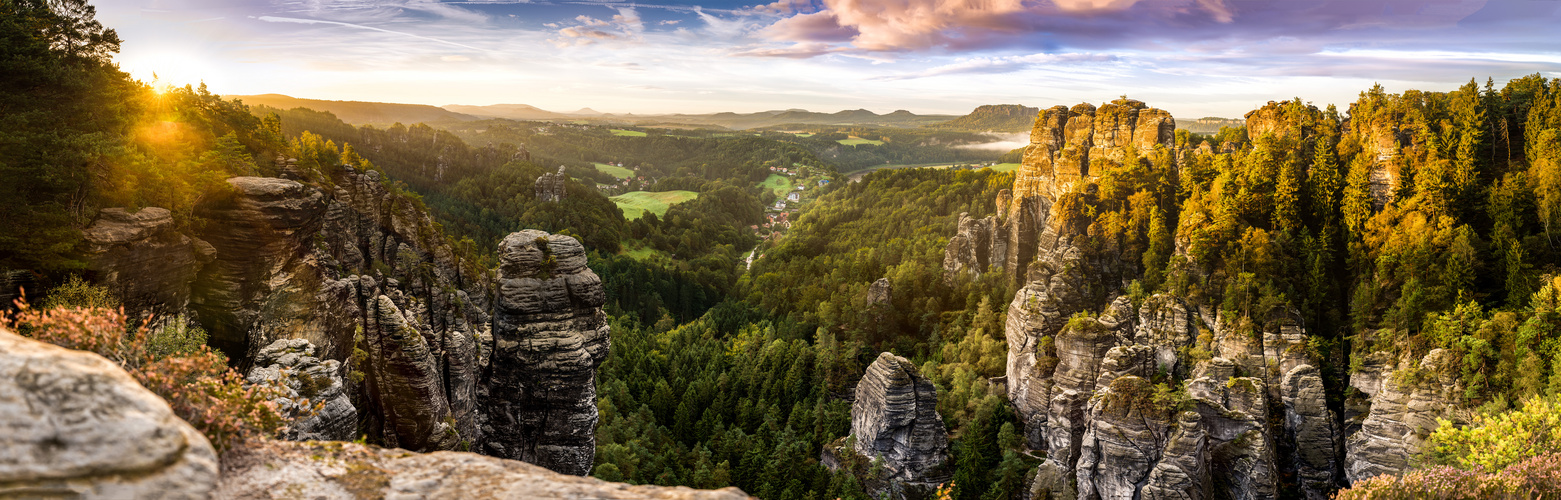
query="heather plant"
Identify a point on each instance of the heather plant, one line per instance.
(169, 360)
(1532, 478)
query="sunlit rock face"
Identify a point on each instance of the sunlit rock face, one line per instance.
(1066, 144)
(549, 335)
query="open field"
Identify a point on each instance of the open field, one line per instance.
(854, 141)
(635, 203)
(627, 133)
(778, 184)
(1005, 167)
(619, 172)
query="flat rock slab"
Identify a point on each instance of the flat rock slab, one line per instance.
(348, 471)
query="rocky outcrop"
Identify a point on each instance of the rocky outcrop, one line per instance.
(549, 335)
(307, 382)
(143, 260)
(1403, 405)
(550, 187)
(1311, 426)
(1067, 143)
(261, 234)
(895, 420)
(970, 251)
(78, 426)
(348, 471)
(881, 292)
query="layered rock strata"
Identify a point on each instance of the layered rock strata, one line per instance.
(78, 426)
(143, 260)
(549, 335)
(1403, 403)
(895, 421)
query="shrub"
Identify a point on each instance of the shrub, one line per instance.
(172, 361)
(1495, 441)
(1537, 477)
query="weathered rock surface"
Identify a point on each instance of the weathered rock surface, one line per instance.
(970, 251)
(1311, 426)
(549, 336)
(78, 426)
(895, 419)
(348, 471)
(260, 235)
(1404, 405)
(307, 380)
(143, 260)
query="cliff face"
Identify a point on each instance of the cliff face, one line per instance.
(1098, 393)
(347, 267)
(549, 336)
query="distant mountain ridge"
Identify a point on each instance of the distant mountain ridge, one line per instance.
(361, 112)
(995, 118)
(761, 119)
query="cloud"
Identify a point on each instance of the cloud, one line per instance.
(626, 25)
(1005, 64)
(797, 51)
(274, 19)
(958, 25)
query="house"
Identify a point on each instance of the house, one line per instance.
(793, 197)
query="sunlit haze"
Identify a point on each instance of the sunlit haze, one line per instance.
(1194, 58)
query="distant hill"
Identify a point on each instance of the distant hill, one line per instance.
(994, 118)
(1209, 125)
(361, 113)
(509, 111)
(762, 119)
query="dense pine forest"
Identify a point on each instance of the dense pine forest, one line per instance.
(1402, 225)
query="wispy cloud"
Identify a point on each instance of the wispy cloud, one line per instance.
(294, 20)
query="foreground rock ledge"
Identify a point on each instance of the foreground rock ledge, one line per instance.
(330, 470)
(75, 425)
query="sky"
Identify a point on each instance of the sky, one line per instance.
(1194, 58)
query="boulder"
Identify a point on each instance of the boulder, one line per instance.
(78, 426)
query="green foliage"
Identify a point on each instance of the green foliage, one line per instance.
(76, 292)
(1492, 442)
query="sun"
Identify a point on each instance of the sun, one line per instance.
(164, 69)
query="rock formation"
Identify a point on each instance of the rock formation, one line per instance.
(1066, 143)
(143, 260)
(550, 187)
(350, 266)
(260, 234)
(895, 420)
(307, 380)
(549, 336)
(978, 246)
(77, 426)
(1400, 412)
(348, 471)
(881, 292)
